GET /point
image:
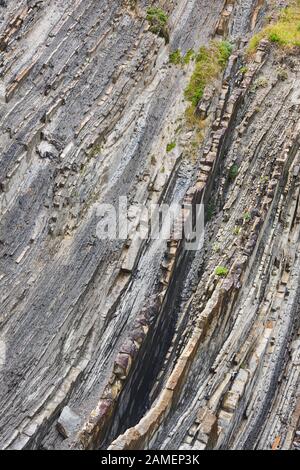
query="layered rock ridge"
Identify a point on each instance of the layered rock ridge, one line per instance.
(128, 343)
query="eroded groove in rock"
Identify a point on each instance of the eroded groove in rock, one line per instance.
(126, 343)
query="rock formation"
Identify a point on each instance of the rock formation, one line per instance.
(133, 343)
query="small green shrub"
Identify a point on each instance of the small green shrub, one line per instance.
(274, 37)
(153, 160)
(132, 4)
(216, 248)
(233, 172)
(210, 61)
(261, 82)
(237, 230)
(95, 150)
(190, 54)
(157, 14)
(282, 74)
(221, 271)
(264, 179)
(210, 210)
(158, 20)
(171, 146)
(247, 216)
(224, 50)
(244, 70)
(175, 57)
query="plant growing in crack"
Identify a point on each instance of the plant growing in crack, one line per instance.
(190, 55)
(260, 82)
(216, 248)
(95, 150)
(247, 217)
(210, 61)
(237, 230)
(175, 57)
(153, 160)
(282, 74)
(170, 146)
(284, 32)
(233, 172)
(210, 210)
(244, 69)
(158, 20)
(221, 271)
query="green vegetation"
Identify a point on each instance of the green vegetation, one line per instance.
(175, 57)
(95, 150)
(233, 172)
(178, 128)
(216, 248)
(244, 70)
(261, 82)
(285, 32)
(189, 56)
(210, 210)
(221, 271)
(282, 74)
(264, 179)
(158, 20)
(157, 15)
(210, 61)
(132, 4)
(237, 230)
(247, 216)
(171, 146)
(153, 160)
(224, 52)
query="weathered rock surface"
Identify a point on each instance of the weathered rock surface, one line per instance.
(128, 343)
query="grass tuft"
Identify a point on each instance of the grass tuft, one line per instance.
(210, 61)
(171, 146)
(233, 172)
(221, 271)
(175, 57)
(224, 52)
(247, 216)
(190, 54)
(158, 20)
(285, 32)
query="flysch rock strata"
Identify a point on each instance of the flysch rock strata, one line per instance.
(129, 343)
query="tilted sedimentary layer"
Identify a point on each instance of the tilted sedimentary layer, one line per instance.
(129, 343)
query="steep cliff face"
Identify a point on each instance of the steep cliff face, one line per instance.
(128, 343)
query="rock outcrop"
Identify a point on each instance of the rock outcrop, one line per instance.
(134, 343)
